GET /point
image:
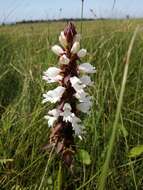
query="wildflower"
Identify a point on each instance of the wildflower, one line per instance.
(54, 112)
(71, 96)
(76, 84)
(50, 119)
(76, 124)
(52, 116)
(52, 75)
(87, 68)
(55, 95)
(67, 114)
(82, 96)
(85, 106)
(86, 80)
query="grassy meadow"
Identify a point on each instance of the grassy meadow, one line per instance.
(25, 52)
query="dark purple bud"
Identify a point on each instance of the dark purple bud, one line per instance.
(70, 32)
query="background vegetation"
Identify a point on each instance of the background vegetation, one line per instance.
(25, 52)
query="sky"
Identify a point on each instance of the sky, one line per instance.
(16, 10)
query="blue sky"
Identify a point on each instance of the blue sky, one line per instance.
(13, 10)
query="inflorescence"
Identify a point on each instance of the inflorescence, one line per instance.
(70, 96)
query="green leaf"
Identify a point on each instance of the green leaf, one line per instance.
(84, 157)
(136, 151)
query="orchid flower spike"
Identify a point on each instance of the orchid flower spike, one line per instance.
(70, 96)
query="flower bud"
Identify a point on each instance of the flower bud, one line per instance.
(75, 47)
(64, 60)
(70, 32)
(57, 50)
(62, 39)
(82, 53)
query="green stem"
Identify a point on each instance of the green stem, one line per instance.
(60, 177)
(46, 168)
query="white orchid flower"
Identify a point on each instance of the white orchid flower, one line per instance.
(50, 119)
(84, 106)
(86, 80)
(67, 114)
(87, 68)
(52, 75)
(55, 95)
(52, 116)
(76, 84)
(54, 112)
(81, 95)
(78, 128)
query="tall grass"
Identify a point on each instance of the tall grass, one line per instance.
(104, 172)
(24, 55)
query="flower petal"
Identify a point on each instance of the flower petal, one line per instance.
(62, 39)
(86, 80)
(67, 114)
(67, 106)
(52, 75)
(87, 68)
(81, 95)
(76, 83)
(82, 53)
(84, 106)
(57, 50)
(75, 47)
(54, 112)
(55, 95)
(64, 60)
(78, 128)
(51, 120)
